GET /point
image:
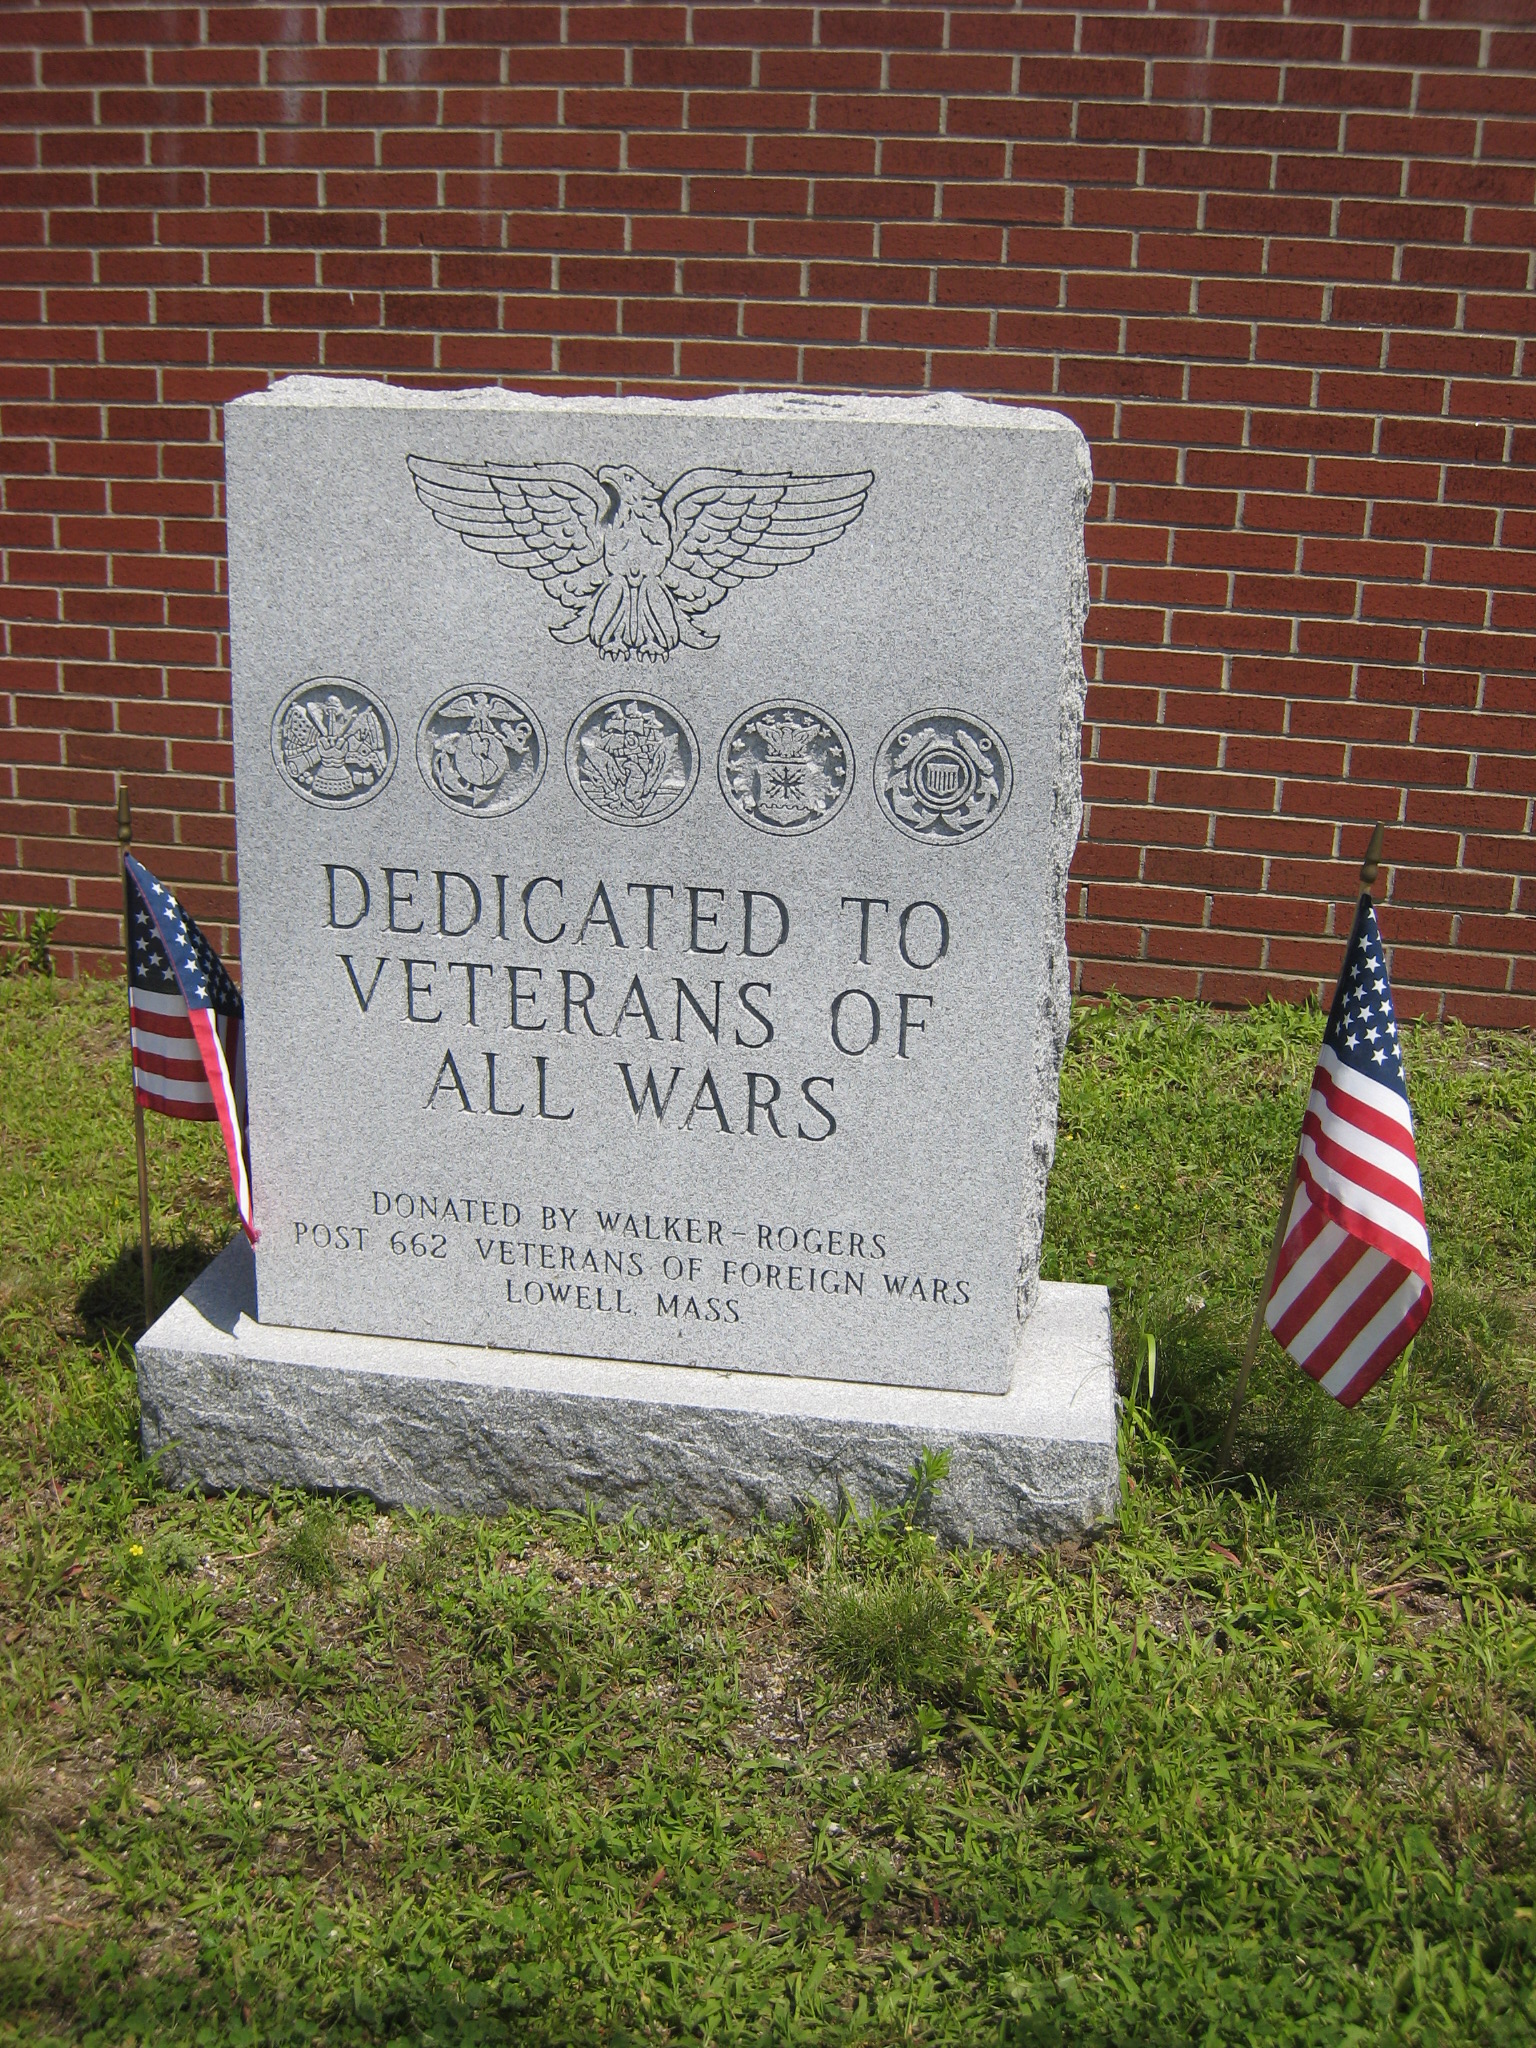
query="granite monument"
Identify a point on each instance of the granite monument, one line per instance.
(653, 823)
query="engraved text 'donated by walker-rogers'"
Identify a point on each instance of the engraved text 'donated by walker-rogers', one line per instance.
(697, 993)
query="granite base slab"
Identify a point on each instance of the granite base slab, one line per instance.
(230, 1402)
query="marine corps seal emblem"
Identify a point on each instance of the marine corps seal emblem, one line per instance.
(481, 752)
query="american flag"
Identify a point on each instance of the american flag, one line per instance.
(186, 1024)
(1353, 1284)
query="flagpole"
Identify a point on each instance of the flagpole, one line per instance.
(147, 1256)
(1368, 868)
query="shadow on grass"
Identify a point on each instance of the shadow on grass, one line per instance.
(111, 1302)
(1298, 1443)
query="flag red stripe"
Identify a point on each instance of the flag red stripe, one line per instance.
(1300, 1234)
(146, 1062)
(1358, 1224)
(1330, 1348)
(1337, 1267)
(159, 1024)
(175, 1078)
(1374, 1094)
(1350, 1109)
(1335, 1150)
(169, 1105)
(1391, 1347)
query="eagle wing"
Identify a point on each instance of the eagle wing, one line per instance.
(538, 516)
(302, 743)
(727, 525)
(365, 745)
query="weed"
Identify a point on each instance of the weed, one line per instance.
(15, 1791)
(308, 1553)
(33, 954)
(911, 1636)
(930, 1469)
(176, 1553)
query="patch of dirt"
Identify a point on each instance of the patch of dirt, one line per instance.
(44, 1885)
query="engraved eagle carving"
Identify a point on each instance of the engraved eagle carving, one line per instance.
(633, 568)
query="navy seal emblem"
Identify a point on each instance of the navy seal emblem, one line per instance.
(632, 760)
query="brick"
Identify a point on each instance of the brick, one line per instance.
(884, 28)
(1295, 520)
(819, 71)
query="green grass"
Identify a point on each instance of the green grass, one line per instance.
(1256, 1766)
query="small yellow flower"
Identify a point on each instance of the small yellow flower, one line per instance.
(135, 1550)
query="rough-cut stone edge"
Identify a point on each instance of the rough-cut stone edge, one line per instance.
(944, 408)
(229, 1403)
(1055, 1018)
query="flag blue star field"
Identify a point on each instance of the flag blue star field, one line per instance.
(1353, 1280)
(186, 1024)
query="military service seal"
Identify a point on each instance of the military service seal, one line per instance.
(481, 752)
(333, 742)
(943, 776)
(786, 767)
(632, 760)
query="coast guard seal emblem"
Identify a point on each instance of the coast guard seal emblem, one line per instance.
(943, 776)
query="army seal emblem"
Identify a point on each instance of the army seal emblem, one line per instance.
(481, 752)
(333, 742)
(632, 760)
(943, 776)
(786, 767)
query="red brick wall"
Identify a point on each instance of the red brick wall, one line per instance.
(1273, 258)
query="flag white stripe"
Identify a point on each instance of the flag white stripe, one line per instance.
(168, 1048)
(1326, 1316)
(1387, 1318)
(1374, 1151)
(1385, 1101)
(173, 1091)
(164, 1006)
(1388, 1216)
(1306, 1269)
